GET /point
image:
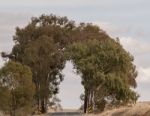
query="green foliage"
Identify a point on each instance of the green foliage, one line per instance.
(107, 67)
(16, 89)
(107, 70)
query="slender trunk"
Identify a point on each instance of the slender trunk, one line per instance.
(45, 104)
(86, 101)
(93, 107)
(85, 104)
(43, 108)
(38, 97)
(90, 100)
(38, 104)
(13, 105)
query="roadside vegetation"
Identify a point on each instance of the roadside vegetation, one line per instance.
(31, 76)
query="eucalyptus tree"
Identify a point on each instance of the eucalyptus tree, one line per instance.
(107, 70)
(46, 61)
(16, 89)
(42, 45)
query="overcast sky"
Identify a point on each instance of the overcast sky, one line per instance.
(126, 19)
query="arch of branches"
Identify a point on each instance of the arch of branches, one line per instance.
(47, 42)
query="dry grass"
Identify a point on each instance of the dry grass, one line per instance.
(139, 109)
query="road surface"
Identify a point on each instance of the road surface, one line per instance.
(65, 114)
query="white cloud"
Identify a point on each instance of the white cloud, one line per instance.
(8, 22)
(143, 75)
(55, 2)
(9, 19)
(1, 62)
(133, 45)
(52, 3)
(143, 81)
(113, 30)
(136, 47)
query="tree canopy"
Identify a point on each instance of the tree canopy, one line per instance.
(107, 71)
(48, 41)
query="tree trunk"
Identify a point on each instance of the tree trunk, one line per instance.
(13, 105)
(43, 108)
(38, 104)
(91, 100)
(85, 104)
(86, 101)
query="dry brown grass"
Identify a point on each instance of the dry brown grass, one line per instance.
(139, 109)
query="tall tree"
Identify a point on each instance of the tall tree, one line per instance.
(16, 89)
(107, 72)
(45, 60)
